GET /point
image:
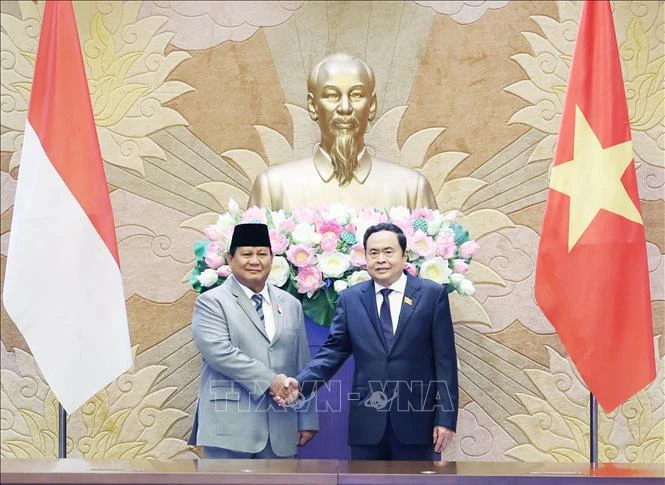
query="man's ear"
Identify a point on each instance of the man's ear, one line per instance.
(311, 108)
(372, 108)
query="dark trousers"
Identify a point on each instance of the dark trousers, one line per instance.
(390, 448)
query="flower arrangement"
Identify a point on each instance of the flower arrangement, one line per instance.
(319, 253)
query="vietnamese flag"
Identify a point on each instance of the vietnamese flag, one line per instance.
(63, 287)
(592, 280)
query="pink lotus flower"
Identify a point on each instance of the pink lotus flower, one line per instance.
(307, 214)
(278, 241)
(214, 257)
(254, 214)
(411, 269)
(460, 266)
(421, 244)
(213, 232)
(300, 256)
(224, 271)
(372, 216)
(468, 249)
(427, 214)
(309, 280)
(287, 225)
(450, 216)
(445, 245)
(406, 226)
(329, 242)
(329, 227)
(357, 253)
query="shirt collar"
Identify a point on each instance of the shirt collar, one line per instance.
(264, 292)
(398, 286)
(323, 165)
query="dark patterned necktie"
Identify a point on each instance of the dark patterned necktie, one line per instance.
(386, 319)
(258, 303)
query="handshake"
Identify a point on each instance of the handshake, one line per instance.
(284, 390)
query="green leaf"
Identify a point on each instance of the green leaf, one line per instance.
(321, 307)
(200, 248)
(461, 234)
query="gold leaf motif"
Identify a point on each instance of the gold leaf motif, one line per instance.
(127, 69)
(100, 50)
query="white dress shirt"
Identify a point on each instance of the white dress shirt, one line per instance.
(395, 298)
(268, 315)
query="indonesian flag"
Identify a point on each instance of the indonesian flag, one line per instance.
(62, 285)
(592, 280)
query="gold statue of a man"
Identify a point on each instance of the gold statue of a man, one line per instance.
(342, 100)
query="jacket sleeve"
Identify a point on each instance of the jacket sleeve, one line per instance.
(211, 336)
(445, 359)
(332, 354)
(308, 418)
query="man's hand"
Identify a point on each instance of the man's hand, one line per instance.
(284, 390)
(441, 437)
(305, 436)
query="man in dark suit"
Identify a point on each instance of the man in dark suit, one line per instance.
(400, 332)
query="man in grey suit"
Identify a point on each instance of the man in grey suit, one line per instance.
(251, 335)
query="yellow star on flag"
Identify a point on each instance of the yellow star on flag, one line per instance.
(592, 180)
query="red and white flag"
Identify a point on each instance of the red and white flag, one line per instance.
(63, 287)
(592, 280)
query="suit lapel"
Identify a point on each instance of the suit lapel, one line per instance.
(368, 299)
(246, 305)
(277, 309)
(411, 294)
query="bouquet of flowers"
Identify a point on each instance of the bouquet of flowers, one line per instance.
(319, 253)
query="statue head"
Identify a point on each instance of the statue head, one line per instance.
(341, 99)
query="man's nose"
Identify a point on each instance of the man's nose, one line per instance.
(344, 105)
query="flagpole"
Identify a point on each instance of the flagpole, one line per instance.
(62, 432)
(593, 430)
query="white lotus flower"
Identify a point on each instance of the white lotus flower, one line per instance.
(279, 272)
(399, 213)
(435, 269)
(208, 278)
(304, 234)
(340, 285)
(333, 264)
(341, 213)
(358, 277)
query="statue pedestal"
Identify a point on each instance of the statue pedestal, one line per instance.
(333, 406)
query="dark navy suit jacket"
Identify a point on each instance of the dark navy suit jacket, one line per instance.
(415, 381)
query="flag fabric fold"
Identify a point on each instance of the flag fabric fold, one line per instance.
(63, 287)
(592, 279)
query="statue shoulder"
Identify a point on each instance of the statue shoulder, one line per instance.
(415, 183)
(288, 168)
(381, 164)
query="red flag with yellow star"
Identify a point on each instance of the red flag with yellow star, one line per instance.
(592, 281)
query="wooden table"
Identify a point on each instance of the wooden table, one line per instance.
(153, 472)
(313, 472)
(495, 473)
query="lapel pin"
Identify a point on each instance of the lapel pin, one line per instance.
(408, 301)
(279, 308)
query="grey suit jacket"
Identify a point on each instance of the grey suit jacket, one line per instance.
(239, 363)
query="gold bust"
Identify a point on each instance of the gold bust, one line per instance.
(342, 100)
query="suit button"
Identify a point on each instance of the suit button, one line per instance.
(270, 349)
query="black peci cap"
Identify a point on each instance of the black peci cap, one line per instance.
(252, 234)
